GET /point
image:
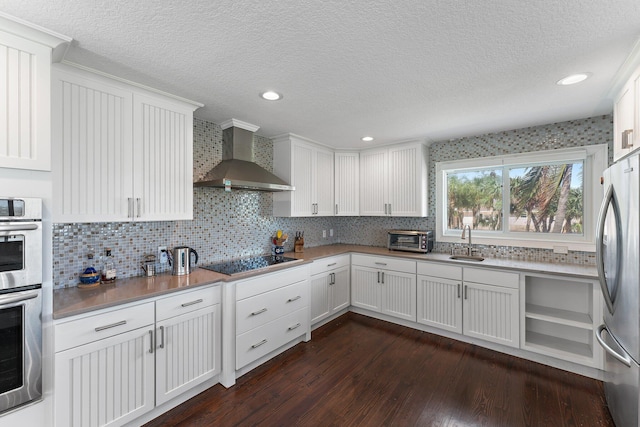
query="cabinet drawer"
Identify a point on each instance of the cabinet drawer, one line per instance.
(261, 341)
(331, 263)
(269, 282)
(93, 328)
(440, 270)
(185, 302)
(384, 263)
(258, 310)
(491, 277)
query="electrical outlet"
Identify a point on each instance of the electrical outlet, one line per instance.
(324, 234)
(162, 254)
(331, 232)
(560, 250)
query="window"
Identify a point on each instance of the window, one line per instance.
(541, 199)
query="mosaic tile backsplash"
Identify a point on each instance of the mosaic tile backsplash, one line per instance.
(240, 223)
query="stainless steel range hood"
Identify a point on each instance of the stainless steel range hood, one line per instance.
(237, 169)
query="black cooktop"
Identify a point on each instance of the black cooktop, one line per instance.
(247, 264)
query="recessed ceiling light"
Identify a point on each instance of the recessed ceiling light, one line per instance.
(367, 138)
(573, 79)
(271, 95)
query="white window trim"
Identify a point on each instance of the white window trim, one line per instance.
(595, 162)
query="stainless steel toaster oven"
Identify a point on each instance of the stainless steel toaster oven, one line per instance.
(410, 240)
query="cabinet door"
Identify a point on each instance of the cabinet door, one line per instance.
(440, 303)
(399, 294)
(407, 181)
(340, 290)
(623, 123)
(320, 284)
(92, 150)
(163, 153)
(347, 184)
(302, 197)
(323, 182)
(105, 383)
(373, 182)
(25, 110)
(365, 288)
(491, 313)
(188, 351)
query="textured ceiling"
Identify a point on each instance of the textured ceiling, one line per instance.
(395, 70)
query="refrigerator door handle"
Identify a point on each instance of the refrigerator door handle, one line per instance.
(609, 199)
(626, 360)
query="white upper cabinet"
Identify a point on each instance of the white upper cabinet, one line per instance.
(347, 176)
(626, 118)
(25, 90)
(120, 153)
(393, 181)
(309, 168)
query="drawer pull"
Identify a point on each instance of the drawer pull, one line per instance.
(187, 304)
(161, 336)
(332, 264)
(294, 299)
(381, 263)
(255, 313)
(113, 325)
(296, 326)
(259, 344)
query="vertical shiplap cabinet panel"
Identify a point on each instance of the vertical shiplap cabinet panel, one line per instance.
(373, 182)
(440, 303)
(92, 150)
(187, 351)
(340, 295)
(25, 120)
(399, 295)
(302, 180)
(163, 159)
(105, 383)
(323, 177)
(491, 313)
(320, 296)
(365, 289)
(347, 184)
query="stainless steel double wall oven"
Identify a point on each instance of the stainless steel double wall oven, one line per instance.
(20, 301)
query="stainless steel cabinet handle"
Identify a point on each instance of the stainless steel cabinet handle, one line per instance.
(259, 344)
(113, 325)
(333, 278)
(378, 277)
(336, 209)
(385, 208)
(293, 299)
(623, 359)
(18, 227)
(389, 208)
(255, 313)
(17, 297)
(465, 291)
(129, 207)
(458, 290)
(161, 336)
(187, 304)
(138, 204)
(381, 263)
(296, 326)
(332, 264)
(150, 341)
(383, 277)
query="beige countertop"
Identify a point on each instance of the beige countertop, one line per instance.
(72, 301)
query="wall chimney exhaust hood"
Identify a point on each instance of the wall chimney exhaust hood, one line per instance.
(237, 169)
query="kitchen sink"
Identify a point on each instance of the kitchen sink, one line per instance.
(467, 257)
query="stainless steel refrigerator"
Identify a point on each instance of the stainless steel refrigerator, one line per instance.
(618, 261)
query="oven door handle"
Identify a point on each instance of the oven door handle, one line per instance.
(18, 297)
(18, 227)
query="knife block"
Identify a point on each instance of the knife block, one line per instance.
(298, 245)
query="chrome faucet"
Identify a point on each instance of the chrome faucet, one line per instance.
(464, 229)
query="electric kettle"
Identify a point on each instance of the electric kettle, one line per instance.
(182, 260)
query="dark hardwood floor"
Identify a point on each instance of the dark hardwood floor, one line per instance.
(359, 371)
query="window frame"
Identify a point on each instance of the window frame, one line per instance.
(595, 159)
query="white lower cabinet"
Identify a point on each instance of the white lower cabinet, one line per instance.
(560, 317)
(117, 365)
(384, 285)
(479, 303)
(330, 287)
(271, 311)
